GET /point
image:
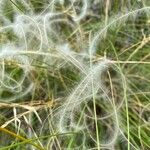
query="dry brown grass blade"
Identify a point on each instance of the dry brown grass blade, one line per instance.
(28, 105)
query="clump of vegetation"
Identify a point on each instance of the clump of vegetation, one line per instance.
(74, 74)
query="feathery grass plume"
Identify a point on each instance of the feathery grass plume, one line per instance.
(69, 56)
(82, 91)
(114, 22)
(52, 28)
(79, 16)
(31, 31)
(8, 82)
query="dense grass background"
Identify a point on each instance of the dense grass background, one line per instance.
(75, 74)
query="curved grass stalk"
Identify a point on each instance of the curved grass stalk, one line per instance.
(20, 138)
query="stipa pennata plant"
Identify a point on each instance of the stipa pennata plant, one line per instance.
(82, 59)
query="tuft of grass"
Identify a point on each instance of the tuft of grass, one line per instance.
(74, 74)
